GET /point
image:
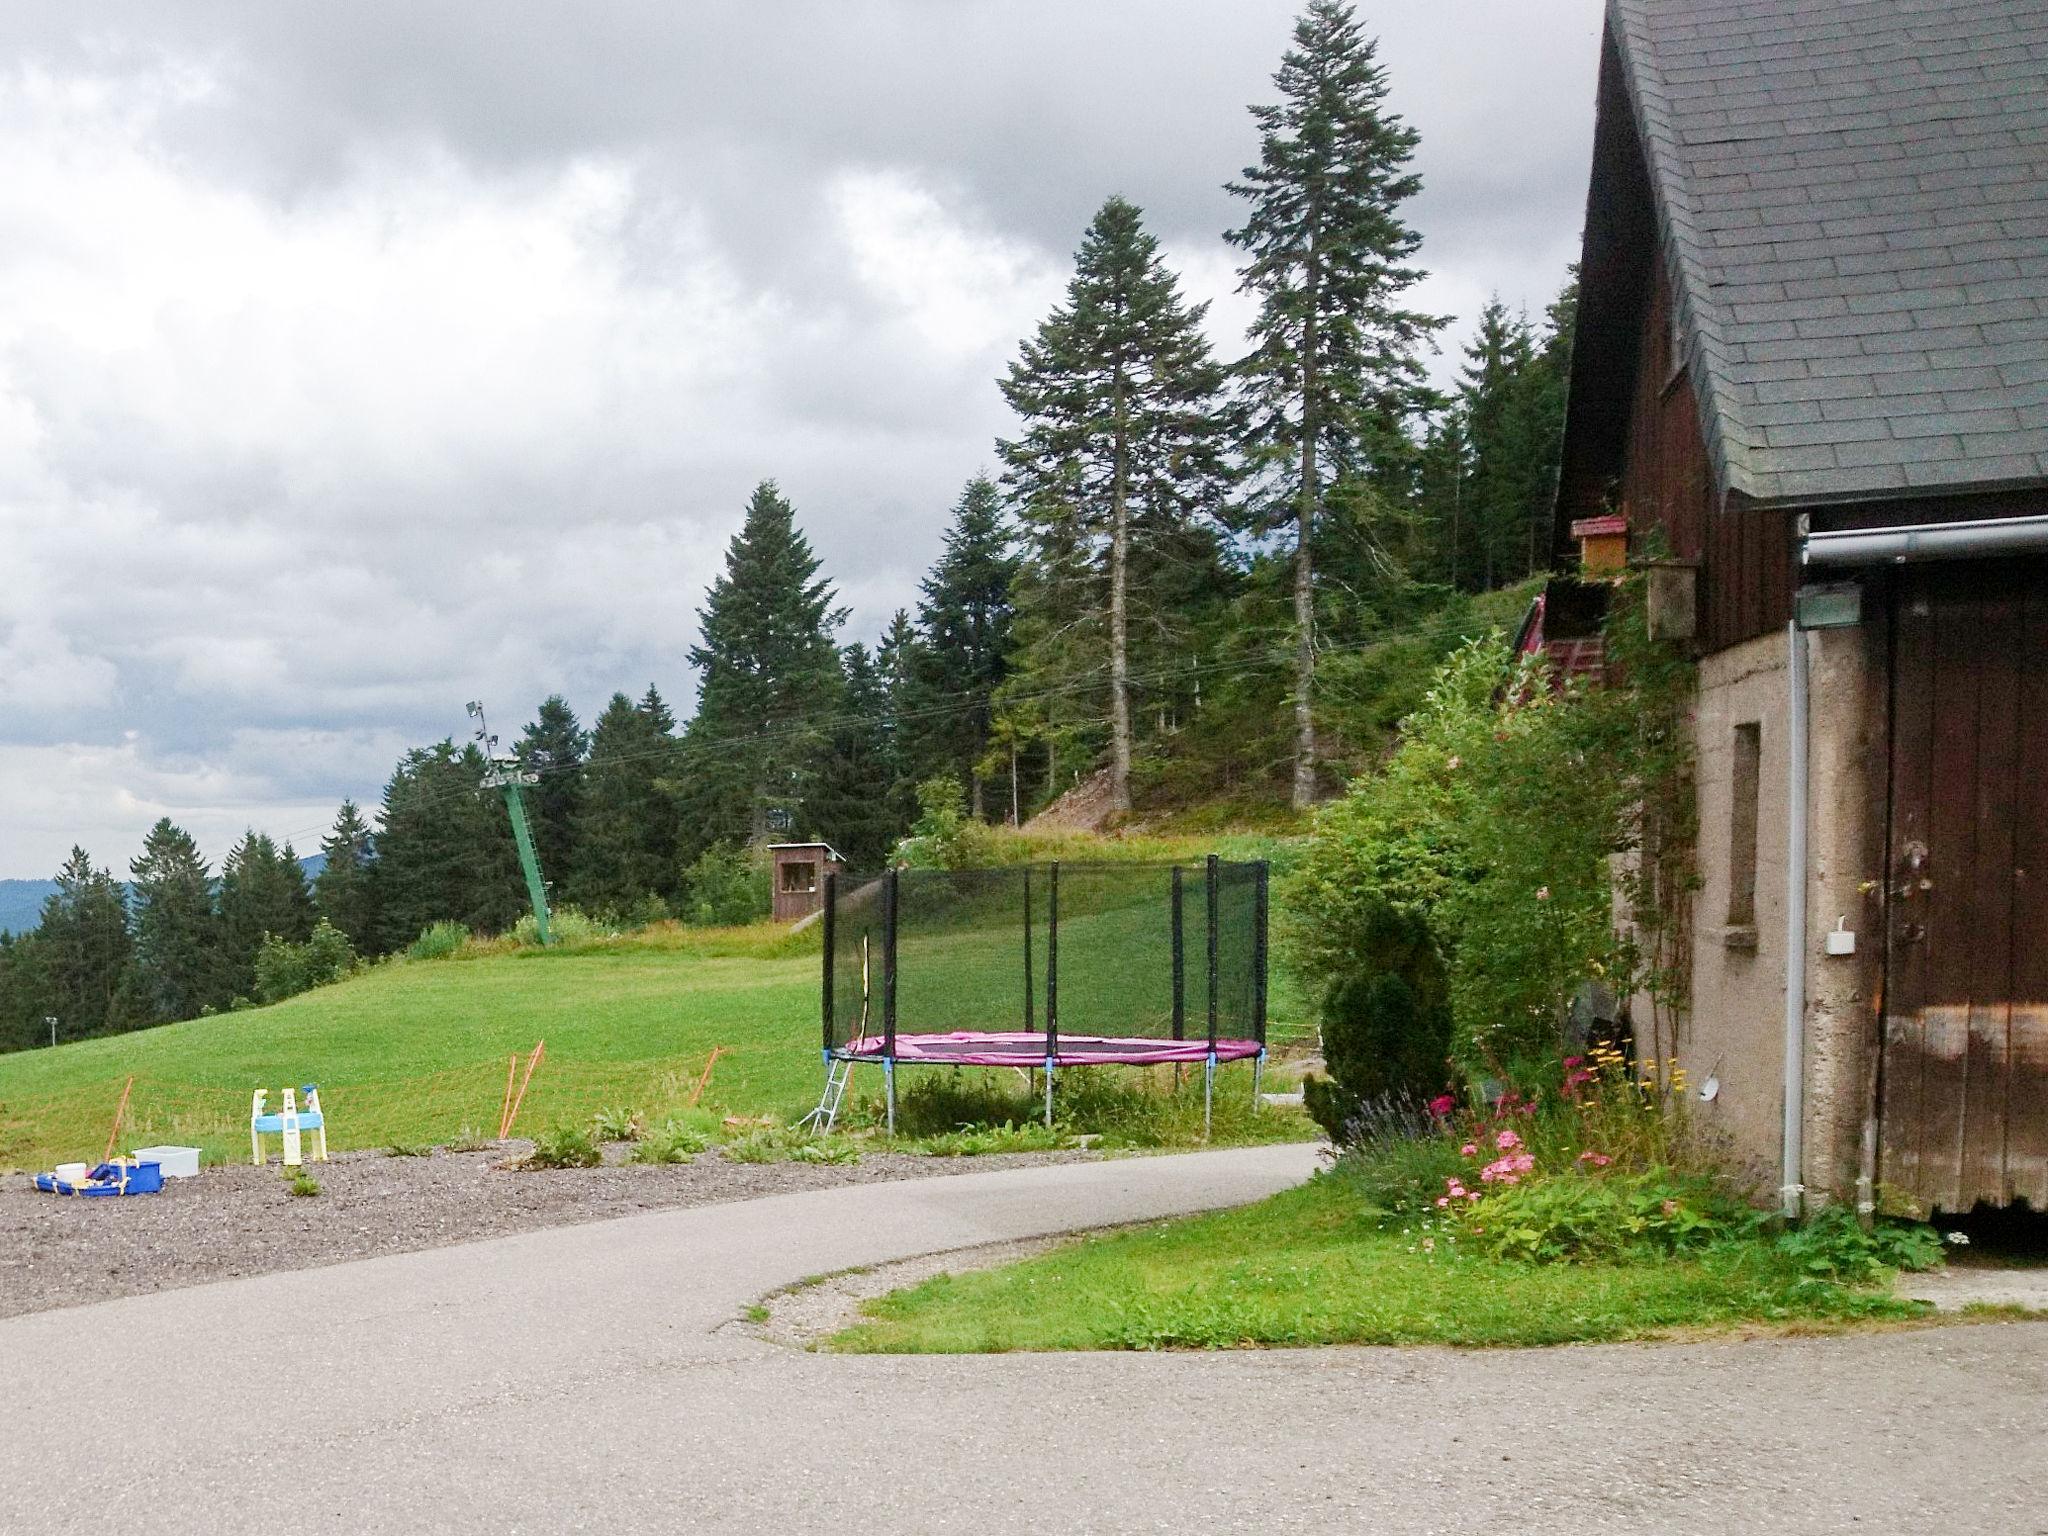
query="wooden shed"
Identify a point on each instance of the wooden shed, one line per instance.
(799, 871)
(1811, 377)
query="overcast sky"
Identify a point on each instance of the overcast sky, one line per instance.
(357, 360)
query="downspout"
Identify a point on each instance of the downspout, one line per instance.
(1792, 1183)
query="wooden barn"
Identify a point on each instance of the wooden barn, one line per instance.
(1811, 377)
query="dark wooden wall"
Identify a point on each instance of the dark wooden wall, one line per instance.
(1965, 1085)
(1744, 553)
(1634, 440)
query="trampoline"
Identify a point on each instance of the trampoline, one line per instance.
(1042, 967)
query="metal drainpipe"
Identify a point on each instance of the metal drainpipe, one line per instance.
(1792, 1184)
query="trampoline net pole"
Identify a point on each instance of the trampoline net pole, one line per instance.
(1052, 962)
(889, 894)
(1212, 871)
(831, 901)
(1030, 1012)
(1180, 969)
(1259, 955)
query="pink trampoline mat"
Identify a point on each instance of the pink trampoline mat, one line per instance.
(971, 1048)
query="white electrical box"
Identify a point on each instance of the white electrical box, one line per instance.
(1841, 941)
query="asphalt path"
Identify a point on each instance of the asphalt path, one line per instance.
(590, 1379)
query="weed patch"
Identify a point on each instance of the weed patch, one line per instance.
(564, 1146)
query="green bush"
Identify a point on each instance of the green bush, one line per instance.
(618, 1124)
(725, 888)
(564, 1146)
(1493, 827)
(438, 942)
(285, 969)
(672, 1141)
(566, 925)
(1831, 1245)
(1399, 1175)
(1579, 1217)
(788, 1144)
(945, 836)
(1386, 1026)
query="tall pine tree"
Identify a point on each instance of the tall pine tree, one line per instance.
(768, 676)
(965, 619)
(553, 746)
(1334, 373)
(444, 849)
(625, 851)
(1121, 459)
(850, 804)
(262, 891)
(85, 949)
(177, 930)
(343, 891)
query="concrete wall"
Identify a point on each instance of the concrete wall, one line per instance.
(1735, 1031)
(1734, 1034)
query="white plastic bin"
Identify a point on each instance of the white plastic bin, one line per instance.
(176, 1162)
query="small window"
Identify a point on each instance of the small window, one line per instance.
(1742, 800)
(799, 877)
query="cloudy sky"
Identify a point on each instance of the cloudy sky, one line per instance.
(359, 360)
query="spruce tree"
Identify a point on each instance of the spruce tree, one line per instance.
(899, 667)
(84, 949)
(965, 619)
(1333, 374)
(343, 890)
(850, 804)
(1497, 490)
(769, 675)
(177, 929)
(554, 746)
(1121, 458)
(444, 849)
(625, 851)
(262, 891)
(24, 994)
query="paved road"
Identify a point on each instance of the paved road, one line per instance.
(577, 1380)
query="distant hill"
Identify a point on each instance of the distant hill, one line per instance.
(21, 901)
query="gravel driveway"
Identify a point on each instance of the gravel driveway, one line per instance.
(240, 1220)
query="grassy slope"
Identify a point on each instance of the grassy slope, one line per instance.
(418, 1051)
(1311, 1266)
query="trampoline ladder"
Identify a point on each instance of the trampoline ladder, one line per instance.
(826, 1114)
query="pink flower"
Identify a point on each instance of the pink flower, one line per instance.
(1470, 1149)
(1573, 1061)
(1442, 1200)
(1597, 1159)
(1507, 1141)
(1442, 1105)
(1543, 893)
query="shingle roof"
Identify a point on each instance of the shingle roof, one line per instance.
(1854, 201)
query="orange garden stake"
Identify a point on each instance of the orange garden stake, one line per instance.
(704, 1081)
(505, 1104)
(539, 1048)
(119, 1115)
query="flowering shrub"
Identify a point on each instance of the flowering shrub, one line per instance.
(1493, 827)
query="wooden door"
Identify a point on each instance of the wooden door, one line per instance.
(1965, 1068)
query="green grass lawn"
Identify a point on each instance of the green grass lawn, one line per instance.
(416, 1051)
(1314, 1266)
